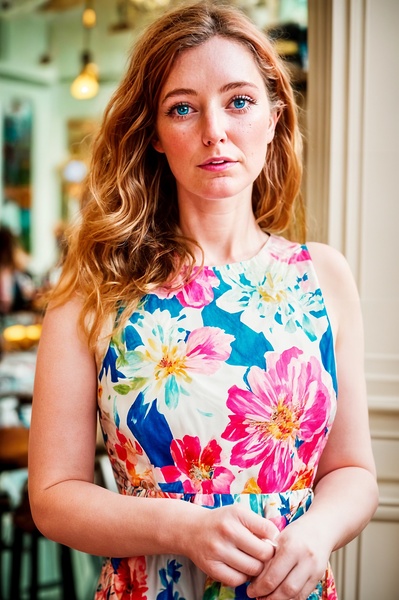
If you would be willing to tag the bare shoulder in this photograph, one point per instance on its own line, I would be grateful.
(331, 266)
(336, 280)
(65, 365)
(61, 328)
(70, 309)
(329, 259)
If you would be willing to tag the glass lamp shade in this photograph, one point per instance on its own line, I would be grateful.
(85, 85)
(89, 18)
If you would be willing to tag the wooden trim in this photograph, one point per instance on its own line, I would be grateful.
(335, 124)
(318, 115)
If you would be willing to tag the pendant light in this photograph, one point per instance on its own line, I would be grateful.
(86, 85)
(89, 16)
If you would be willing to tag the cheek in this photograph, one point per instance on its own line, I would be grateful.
(258, 131)
(176, 147)
(257, 141)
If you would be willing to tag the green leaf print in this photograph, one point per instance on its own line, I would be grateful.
(137, 383)
(122, 388)
(218, 592)
(121, 361)
(134, 384)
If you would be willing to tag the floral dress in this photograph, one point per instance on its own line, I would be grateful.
(221, 392)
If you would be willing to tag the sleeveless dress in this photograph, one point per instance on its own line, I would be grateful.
(221, 392)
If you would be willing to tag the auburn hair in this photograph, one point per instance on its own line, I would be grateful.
(128, 241)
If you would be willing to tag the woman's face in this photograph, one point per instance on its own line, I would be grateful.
(214, 122)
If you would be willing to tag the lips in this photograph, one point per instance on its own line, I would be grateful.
(217, 161)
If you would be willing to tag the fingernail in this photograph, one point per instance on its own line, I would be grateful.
(271, 542)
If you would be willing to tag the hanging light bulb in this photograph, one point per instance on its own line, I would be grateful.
(85, 86)
(89, 16)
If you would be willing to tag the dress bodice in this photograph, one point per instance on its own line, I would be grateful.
(225, 389)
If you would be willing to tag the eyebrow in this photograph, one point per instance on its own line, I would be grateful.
(191, 92)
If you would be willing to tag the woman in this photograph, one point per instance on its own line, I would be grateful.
(212, 346)
(16, 285)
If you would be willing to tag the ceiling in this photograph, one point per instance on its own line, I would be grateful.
(54, 38)
(12, 8)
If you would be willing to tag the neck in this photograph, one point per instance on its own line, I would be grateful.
(225, 237)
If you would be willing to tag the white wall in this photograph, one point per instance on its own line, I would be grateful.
(354, 161)
(352, 187)
(45, 155)
(379, 267)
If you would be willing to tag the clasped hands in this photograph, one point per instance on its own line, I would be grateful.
(235, 545)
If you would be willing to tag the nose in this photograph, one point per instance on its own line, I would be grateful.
(213, 128)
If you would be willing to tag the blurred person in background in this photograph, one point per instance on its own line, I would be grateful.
(17, 289)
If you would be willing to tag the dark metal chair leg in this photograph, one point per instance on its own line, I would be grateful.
(34, 564)
(68, 586)
(23, 525)
(4, 509)
(16, 562)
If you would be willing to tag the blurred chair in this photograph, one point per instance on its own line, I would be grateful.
(25, 535)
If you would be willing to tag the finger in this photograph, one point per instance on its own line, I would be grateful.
(297, 585)
(242, 561)
(261, 550)
(273, 544)
(241, 536)
(260, 526)
(227, 575)
(259, 530)
(273, 575)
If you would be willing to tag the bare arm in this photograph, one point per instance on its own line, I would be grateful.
(346, 494)
(69, 508)
(347, 461)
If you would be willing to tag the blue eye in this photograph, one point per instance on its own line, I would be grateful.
(239, 103)
(182, 110)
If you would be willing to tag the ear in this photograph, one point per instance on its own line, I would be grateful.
(274, 117)
(156, 144)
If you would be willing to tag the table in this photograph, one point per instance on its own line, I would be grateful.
(14, 447)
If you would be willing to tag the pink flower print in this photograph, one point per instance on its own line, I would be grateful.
(163, 365)
(329, 589)
(198, 292)
(300, 256)
(123, 579)
(131, 579)
(204, 352)
(207, 348)
(127, 451)
(199, 470)
(278, 421)
(122, 451)
(279, 522)
(129, 464)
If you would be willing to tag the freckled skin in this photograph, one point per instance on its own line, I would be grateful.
(220, 110)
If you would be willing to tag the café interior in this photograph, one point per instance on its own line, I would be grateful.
(60, 61)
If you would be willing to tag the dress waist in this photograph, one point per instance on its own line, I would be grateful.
(280, 507)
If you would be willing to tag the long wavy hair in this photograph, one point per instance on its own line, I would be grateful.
(128, 240)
